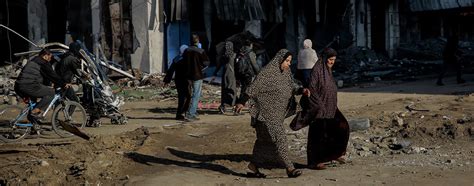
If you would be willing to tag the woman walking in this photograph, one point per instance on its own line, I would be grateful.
(328, 129)
(271, 92)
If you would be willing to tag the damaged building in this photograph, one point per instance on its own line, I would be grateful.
(146, 34)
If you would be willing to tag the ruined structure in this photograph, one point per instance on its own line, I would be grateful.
(146, 34)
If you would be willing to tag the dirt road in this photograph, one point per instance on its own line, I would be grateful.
(215, 150)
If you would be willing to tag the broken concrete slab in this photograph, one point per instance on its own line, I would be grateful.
(359, 124)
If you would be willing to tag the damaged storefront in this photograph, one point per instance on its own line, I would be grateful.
(107, 24)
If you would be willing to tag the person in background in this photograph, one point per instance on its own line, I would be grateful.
(228, 83)
(195, 60)
(451, 57)
(196, 40)
(183, 85)
(307, 57)
(246, 68)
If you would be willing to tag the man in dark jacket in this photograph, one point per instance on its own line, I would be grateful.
(195, 60)
(34, 79)
(246, 68)
(183, 85)
(69, 66)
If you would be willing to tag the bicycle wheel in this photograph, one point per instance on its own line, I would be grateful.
(13, 123)
(71, 113)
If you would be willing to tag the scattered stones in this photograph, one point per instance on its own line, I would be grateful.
(397, 121)
(44, 163)
(359, 124)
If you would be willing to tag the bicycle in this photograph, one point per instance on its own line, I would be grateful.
(65, 113)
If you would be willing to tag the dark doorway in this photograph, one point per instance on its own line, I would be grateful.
(13, 13)
(378, 26)
(56, 20)
(80, 19)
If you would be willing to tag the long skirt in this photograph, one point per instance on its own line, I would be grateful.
(327, 139)
(271, 147)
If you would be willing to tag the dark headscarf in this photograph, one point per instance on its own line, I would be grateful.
(323, 99)
(272, 90)
(74, 49)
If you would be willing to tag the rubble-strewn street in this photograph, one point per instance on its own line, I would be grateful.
(418, 134)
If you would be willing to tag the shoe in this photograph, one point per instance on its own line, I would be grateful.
(294, 173)
(319, 166)
(37, 116)
(340, 160)
(222, 109)
(190, 119)
(256, 175)
(180, 117)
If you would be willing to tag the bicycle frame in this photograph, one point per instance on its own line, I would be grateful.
(23, 113)
(31, 106)
(53, 102)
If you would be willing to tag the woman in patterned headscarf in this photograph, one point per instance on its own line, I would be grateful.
(271, 92)
(328, 129)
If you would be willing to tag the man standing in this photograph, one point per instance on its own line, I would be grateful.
(195, 60)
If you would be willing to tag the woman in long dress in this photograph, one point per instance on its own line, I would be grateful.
(271, 93)
(328, 129)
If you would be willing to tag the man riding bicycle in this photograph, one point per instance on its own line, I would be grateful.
(35, 78)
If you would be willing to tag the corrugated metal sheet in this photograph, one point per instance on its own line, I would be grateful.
(465, 3)
(448, 4)
(430, 5)
(231, 10)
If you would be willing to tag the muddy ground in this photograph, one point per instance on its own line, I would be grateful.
(433, 144)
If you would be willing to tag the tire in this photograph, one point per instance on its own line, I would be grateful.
(9, 132)
(79, 118)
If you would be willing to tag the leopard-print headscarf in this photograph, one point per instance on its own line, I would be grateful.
(271, 90)
(229, 49)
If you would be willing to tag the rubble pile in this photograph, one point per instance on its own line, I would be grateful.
(403, 132)
(7, 85)
(429, 49)
(358, 65)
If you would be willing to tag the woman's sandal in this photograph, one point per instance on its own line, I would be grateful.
(256, 175)
(294, 173)
(341, 160)
(319, 166)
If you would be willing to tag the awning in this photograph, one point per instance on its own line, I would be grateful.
(232, 10)
(431, 5)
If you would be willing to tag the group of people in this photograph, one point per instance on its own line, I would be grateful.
(38, 79)
(238, 68)
(271, 90)
(187, 69)
(43, 74)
